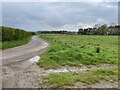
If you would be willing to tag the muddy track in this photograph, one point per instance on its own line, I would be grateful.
(16, 64)
(24, 52)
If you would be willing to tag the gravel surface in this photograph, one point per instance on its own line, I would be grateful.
(17, 70)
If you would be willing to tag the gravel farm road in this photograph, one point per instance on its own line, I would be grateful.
(17, 70)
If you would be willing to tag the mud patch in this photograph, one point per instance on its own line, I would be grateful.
(8, 75)
(21, 75)
(105, 84)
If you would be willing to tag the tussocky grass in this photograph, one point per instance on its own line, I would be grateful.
(77, 50)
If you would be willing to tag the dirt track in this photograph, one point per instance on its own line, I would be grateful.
(24, 52)
(17, 70)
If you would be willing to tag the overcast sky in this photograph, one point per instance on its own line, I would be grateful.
(58, 15)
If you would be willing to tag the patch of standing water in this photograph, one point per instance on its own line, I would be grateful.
(78, 69)
(57, 71)
(34, 59)
(65, 70)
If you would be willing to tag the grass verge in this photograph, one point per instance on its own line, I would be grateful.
(11, 44)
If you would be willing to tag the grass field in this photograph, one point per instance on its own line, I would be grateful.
(78, 50)
(14, 43)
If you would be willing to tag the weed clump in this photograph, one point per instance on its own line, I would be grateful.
(82, 46)
(98, 50)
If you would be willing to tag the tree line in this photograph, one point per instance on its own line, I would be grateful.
(100, 30)
(53, 32)
(56, 32)
(96, 30)
(9, 34)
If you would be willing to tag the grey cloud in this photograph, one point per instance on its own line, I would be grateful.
(43, 16)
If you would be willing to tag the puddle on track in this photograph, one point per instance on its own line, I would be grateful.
(65, 70)
(34, 59)
(78, 69)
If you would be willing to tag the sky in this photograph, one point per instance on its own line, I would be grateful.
(57, 15)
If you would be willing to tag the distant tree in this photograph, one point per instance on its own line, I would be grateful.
(103, 29)
(81, 31)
